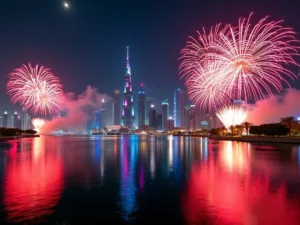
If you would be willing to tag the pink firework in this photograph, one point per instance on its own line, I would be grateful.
(249, 62)
(36, 89)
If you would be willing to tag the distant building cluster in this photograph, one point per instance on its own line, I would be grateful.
(16, 120)
(143, 115)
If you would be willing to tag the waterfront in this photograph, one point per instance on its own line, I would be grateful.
(142, 179)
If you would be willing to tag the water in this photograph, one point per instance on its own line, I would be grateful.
(148, 180)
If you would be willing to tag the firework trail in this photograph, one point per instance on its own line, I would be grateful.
(248, 62)
(36, 89)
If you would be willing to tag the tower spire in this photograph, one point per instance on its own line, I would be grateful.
(128, 70)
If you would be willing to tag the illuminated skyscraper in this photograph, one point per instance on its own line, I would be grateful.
(23, 119)
(5, 119)
(15, 120)
(165, 114)
(148, 108)
(141, 106)
(103, 115)
(116, 108)
(182, 108)
(128, 107)
(152, 117)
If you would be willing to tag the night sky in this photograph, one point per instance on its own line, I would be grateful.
(85, 45)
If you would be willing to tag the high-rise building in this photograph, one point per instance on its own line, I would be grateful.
(159, 121)
(176, 108)
(128, 106)
(165, 114)
(5, 119)
(141, 106)
(182, 109)
(116, 108)
(103, 115)
(148, 107)
(23, 119)
(152, 117)
(170, 124)
(19, 123)
(15, 120)
(11, 121)
(28, 124)
(1, 121)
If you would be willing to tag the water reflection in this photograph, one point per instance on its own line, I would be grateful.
(226, 190)
(148, 179)
(33, 183)
(128, 184)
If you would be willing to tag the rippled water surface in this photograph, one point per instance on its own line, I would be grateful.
(148, 180)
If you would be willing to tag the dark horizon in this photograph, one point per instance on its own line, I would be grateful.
(86, 44)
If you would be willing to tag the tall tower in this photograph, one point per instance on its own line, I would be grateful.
(15, 120)
(182, 108)
(165, 114)
(128, 109)
(141, 106)
(152, 117)
(116, 108)
(5, 119)
(23, 119)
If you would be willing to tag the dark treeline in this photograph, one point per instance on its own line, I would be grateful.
(5, 131)
(272, 129)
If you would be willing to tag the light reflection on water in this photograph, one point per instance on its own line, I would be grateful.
(142, 179)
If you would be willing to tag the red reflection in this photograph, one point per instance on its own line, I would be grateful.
(33, 184)
(226, 192)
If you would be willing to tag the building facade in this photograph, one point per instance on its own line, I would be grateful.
(159, 121)
(116, 108)
(141, 106)
(152, 117)
(5, 119)
(148, 107)
(170, 124)
(182, 109)
(165, 114)
(128, 105)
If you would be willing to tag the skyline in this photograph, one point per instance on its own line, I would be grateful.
(85, 44)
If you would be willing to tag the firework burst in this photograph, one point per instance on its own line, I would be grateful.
(38, 123)
(232, 115)
(36, 89)
(248, 62)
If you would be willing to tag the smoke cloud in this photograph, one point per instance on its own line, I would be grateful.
(272, 109)
(77, 111)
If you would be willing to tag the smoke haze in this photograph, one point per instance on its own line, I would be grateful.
(78, 111)
(272, 109)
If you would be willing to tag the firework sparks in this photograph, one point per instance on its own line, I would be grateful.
(36, 89)
(232, 115)
(38, 123)
(248, 62)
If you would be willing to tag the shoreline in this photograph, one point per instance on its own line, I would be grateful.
(7, 138)
(260, 139)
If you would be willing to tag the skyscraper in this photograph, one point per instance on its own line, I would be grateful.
(103, 115)
(148, 107)
(1, 121)
(28, 124)
(5, 119)
(23, 119)
(182, 108)
(165, 114)
(159, 121)
(170, 124)
(116, 108)
(128, 109)
(141, 106)
(15, 120)
(152, 117)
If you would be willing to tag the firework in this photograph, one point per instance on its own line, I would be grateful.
(36, 89)
(248, 62)
(232, 115)
(38, 123)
